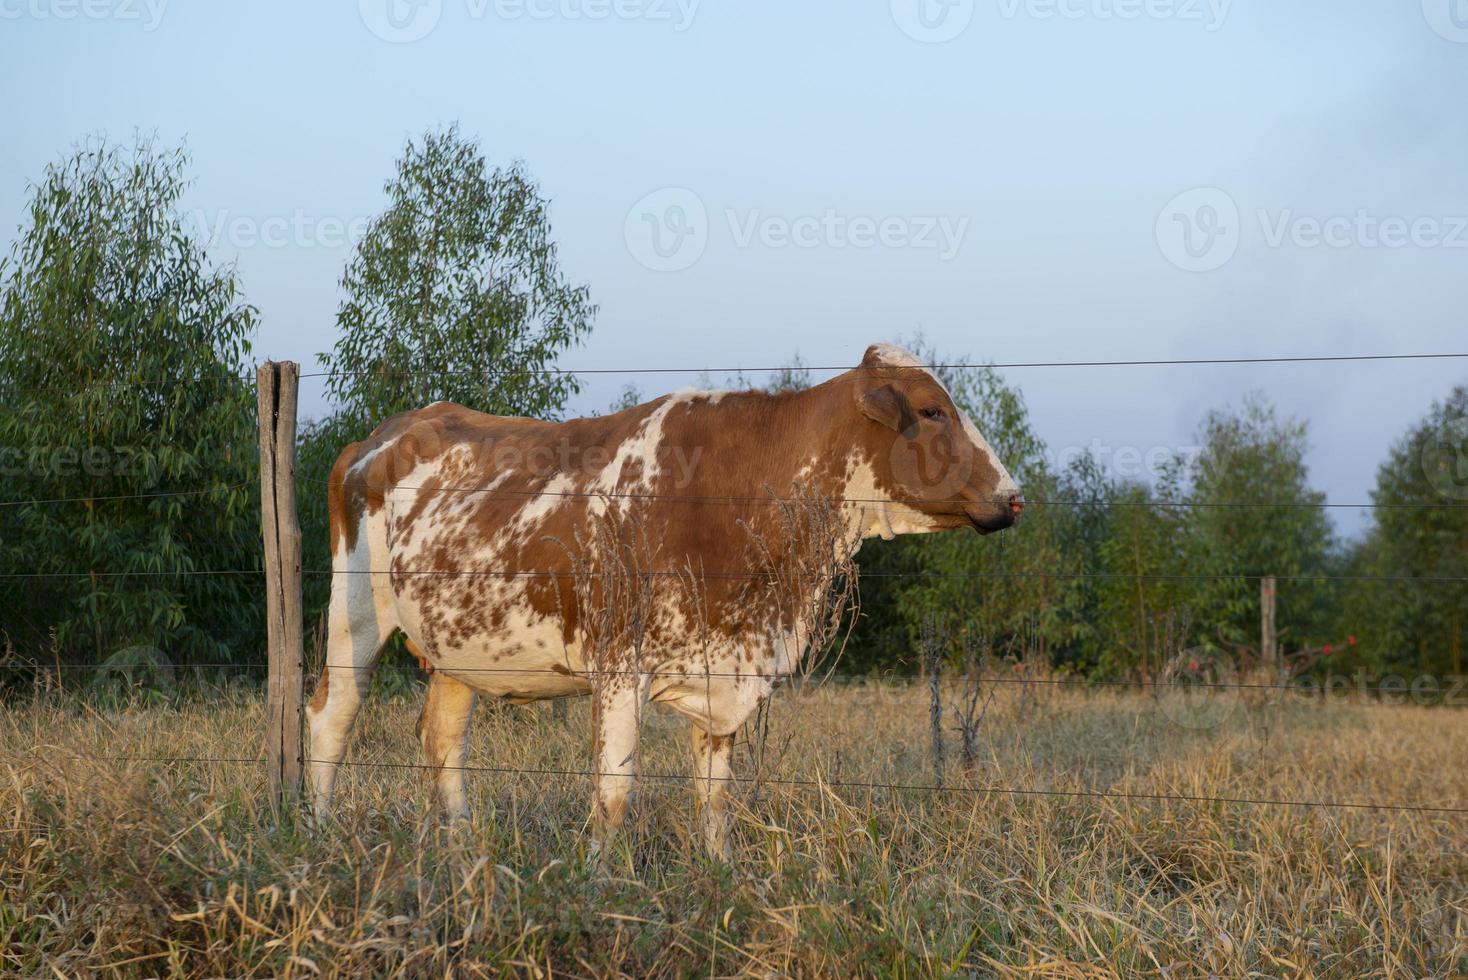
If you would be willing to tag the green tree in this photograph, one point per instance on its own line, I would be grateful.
(455, 292)
(1146, 601)
(123, 353)
(1419, 531)
(1256, 514)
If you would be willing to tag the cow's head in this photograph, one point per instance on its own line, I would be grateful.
(924, 452)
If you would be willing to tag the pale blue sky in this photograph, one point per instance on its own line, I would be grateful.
(1050, 138)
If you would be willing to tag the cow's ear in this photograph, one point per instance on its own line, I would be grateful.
(890, 407)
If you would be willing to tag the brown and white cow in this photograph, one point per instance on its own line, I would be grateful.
(461, 530)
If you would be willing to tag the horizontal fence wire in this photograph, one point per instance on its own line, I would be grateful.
(774, 499)
(940, 366)
(491, 372)
(836, 783)
(511, 573)
(147, 495)
(845, 501)
(1304, 684)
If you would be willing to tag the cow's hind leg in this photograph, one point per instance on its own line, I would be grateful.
(443, 728)
(355, 634)
(616, 720)
(713, 775)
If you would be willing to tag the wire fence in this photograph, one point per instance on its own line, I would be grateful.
(490, 372)
(995, 680)
(822, 783)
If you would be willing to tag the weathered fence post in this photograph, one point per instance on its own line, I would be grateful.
(278, 384)
(1269, 634)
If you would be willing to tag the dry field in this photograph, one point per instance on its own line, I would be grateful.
(172, 869)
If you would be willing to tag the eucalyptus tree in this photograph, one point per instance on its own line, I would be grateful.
(1411, 606)
(455, 292)
(123, 352)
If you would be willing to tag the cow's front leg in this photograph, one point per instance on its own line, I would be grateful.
(713, 775)
(443, 728)
(616, 721)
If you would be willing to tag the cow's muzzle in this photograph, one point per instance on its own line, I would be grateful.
(1004, 513)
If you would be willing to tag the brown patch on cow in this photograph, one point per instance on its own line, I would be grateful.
(318, 698)
(340, 519)
(423, 662)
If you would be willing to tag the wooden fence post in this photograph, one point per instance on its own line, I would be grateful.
(1269, 633)
(281, 529)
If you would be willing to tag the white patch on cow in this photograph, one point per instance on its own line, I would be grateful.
(515, 661)
(552, 496)
(711, 395)
(1006, 487)
(642, 447)
(891, 354)
(874, 513)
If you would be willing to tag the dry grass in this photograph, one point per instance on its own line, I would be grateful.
(178, 869)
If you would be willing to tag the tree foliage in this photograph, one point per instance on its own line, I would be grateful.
(456, 293)
(123, 352)
(1419, 531)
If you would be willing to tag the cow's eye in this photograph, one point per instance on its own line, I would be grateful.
(934, 414)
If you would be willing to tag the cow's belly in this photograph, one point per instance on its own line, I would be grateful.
(525, 658)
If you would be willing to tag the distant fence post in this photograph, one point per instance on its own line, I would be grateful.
(278, 385)
(1269, 633)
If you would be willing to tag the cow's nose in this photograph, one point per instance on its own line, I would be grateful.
(1017, 505)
